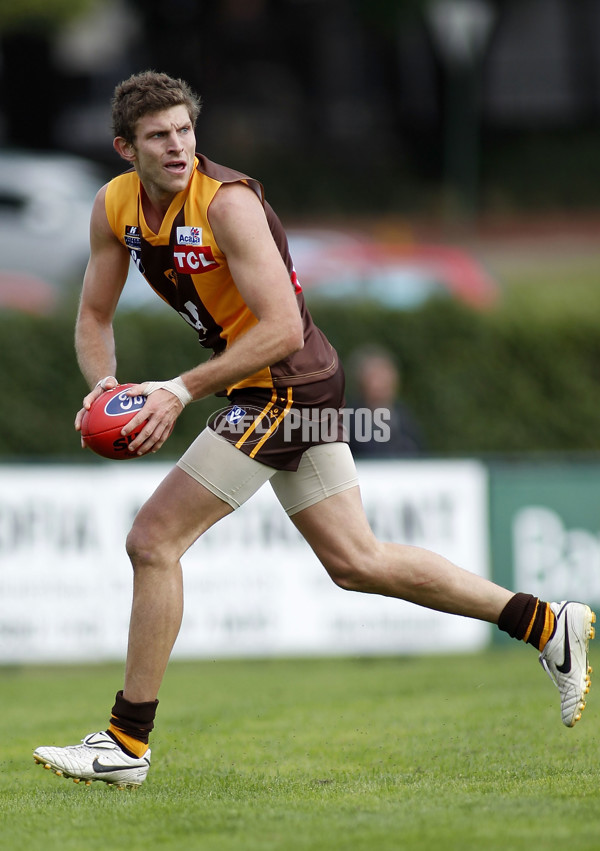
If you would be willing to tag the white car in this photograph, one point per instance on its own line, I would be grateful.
(45, 205)
(46, 200)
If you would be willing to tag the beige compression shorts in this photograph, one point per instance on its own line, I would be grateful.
(324, 470)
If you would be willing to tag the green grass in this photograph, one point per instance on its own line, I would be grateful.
(457, 752)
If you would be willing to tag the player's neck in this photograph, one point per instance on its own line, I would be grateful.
(155, 206)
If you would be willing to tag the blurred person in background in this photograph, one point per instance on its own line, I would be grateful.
(209, 244)
(379, 384)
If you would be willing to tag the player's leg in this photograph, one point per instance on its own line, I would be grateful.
(210, 481)
(179, 511)
(339, 533)
(169, 522)
(325, 504)
(323, 500)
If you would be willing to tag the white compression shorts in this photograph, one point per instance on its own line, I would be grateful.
(324, 470)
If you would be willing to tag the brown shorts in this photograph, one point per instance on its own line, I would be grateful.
(276, 426)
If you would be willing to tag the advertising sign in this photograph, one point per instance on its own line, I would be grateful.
(545, 529)
(253, 587)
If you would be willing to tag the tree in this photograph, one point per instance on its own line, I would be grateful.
(30, 84)
(36, 14)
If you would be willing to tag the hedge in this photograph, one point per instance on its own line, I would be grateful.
(493, 382)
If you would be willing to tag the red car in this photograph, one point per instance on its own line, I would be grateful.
(335, 265)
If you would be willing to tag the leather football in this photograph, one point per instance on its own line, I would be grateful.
(101, 425)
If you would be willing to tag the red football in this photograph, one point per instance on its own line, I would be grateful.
(101, 425)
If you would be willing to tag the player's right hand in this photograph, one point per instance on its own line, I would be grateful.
(101, 387)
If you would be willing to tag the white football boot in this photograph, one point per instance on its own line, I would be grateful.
(565, 659)
(98, 757)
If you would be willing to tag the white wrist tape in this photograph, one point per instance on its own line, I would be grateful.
(174, 386)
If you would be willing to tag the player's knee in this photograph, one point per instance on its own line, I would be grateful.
(349, 574)
(136, 548)
(143, 547)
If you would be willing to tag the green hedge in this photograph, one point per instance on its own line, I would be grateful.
(478, 383)
(490, 383)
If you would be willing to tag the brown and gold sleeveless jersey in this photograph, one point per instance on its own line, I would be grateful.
(184, 265)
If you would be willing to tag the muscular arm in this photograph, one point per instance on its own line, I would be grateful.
(104, 279)
(242, 233)
(240, 227)
(102, 284)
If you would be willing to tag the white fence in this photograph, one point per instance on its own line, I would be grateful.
(253, 586)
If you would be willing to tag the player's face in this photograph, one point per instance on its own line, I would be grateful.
(165, 145)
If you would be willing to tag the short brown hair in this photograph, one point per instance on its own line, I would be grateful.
(148, 92)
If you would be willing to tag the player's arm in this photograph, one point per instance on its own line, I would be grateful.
(102, 285)
(240, 227)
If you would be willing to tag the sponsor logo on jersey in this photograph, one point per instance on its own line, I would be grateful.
(192, 260)
(235, 415)
(132, 237)
(188, 236)
(250, 425)
(123, 404)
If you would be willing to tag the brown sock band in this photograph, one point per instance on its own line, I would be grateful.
(134, 719)
(528, 619)
(517, 616)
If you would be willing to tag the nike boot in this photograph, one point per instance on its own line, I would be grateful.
(98, 757)
(565, 660)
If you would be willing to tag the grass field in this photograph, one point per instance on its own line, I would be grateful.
(454, 752)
